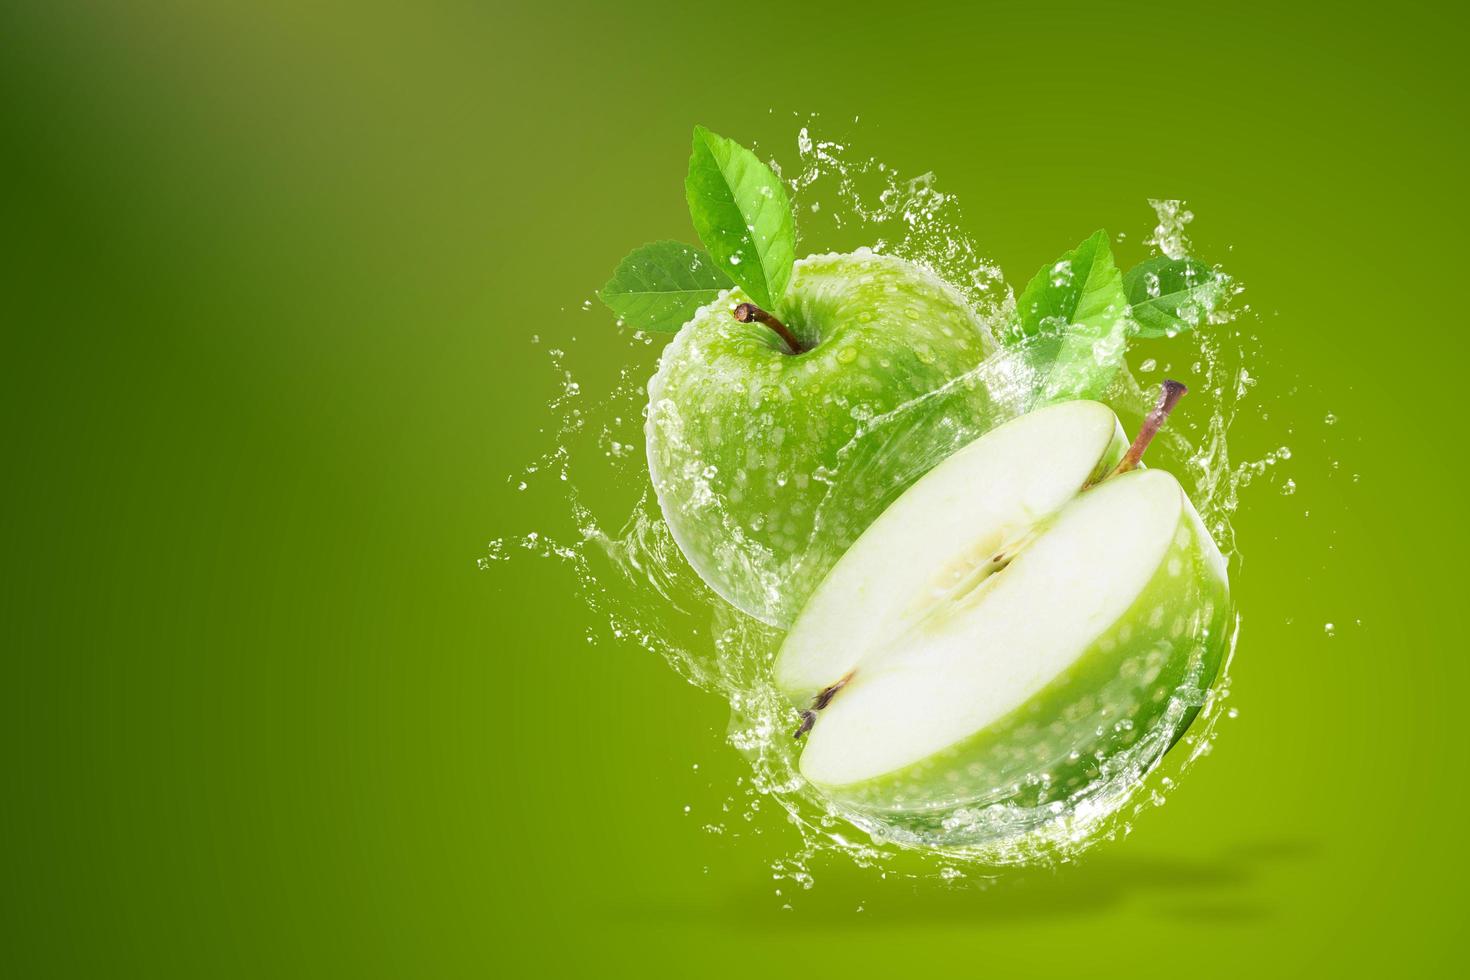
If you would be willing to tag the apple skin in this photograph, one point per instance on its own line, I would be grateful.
(1121, 689)
(744, 437)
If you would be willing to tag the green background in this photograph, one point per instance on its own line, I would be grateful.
(268, 279)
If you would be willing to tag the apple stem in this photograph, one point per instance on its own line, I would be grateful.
(746, 312)
(823, 698)
(1168, 397)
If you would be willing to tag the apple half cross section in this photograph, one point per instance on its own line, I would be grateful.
(1027, 610)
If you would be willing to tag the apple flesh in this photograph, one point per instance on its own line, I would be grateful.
(763, 459)
(1011, 622)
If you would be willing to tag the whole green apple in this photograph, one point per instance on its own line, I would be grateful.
(761, 437)
(1027, 612)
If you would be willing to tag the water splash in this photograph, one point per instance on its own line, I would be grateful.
(1169, 236)
(640, 590)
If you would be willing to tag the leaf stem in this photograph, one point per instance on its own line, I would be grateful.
(746, 312)
(1169, 396)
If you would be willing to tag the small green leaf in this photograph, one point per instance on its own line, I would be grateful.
(1169, 296)
(1073, 317)
(742, 214)
(660, 285)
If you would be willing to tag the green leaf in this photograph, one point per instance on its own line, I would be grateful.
(1169, 296)
(659, 286)
(743, 216)
(1073, 319)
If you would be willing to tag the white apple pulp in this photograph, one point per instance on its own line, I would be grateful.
(1008, 624)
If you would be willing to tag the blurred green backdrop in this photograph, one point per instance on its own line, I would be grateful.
(269, 274)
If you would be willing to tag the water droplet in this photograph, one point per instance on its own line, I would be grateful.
(1169, 233)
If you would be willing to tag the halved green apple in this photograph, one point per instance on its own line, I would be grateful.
(1028, 609)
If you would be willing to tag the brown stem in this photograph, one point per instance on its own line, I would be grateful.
(1168, 398)
(747, 312)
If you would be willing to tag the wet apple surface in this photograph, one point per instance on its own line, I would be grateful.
(745, 436)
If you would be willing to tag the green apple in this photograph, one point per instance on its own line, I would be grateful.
(1028, 610)
(760, 437)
